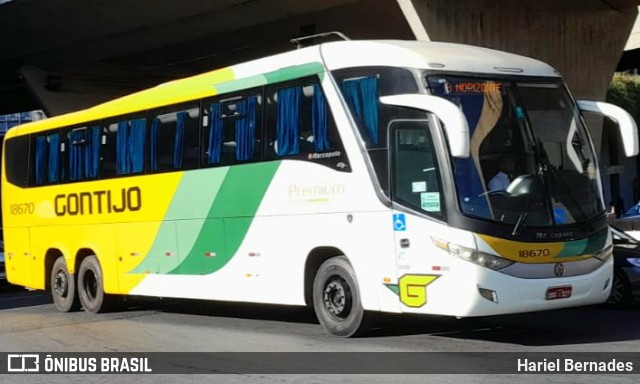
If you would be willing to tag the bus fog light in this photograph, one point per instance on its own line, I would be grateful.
(488, 294)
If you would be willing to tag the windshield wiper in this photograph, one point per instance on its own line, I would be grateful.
(545, 167)
(543, 164)
(525, 210)
(588, 223)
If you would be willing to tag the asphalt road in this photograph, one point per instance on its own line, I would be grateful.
(30, 323)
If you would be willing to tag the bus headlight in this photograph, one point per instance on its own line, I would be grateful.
(605, 254)
(483, 259)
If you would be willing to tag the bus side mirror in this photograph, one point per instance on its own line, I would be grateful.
(626, 123)
(454, 121)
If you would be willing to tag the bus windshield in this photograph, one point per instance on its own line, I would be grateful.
(531, 162)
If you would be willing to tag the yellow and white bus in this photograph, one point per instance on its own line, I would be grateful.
(352, 176)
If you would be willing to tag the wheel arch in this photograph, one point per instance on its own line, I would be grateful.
(316, 257)
(82, 254)
(50, 258)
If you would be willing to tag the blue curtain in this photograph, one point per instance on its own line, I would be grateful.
(41, 152)
(77, 141)
(179, 144)
(136, 145)
(54, 141)
(84, 154)
(130, 146)
(351, 92)
(246, 129)
(369, 88)
(362, 97)
(153, 150)
(288, 121)
(319, 120)
(122, 136)
(92, 151)
(215, 134)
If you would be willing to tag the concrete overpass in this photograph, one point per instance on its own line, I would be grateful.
(61, 55)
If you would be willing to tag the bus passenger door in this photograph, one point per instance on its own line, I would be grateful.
(419, 208)
(18, 256)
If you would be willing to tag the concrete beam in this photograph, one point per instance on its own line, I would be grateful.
(58, 95)
(107, 65)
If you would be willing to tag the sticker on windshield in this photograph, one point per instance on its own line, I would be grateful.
(430, 201)
(419, 186)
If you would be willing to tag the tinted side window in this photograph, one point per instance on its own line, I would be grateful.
(231, 130)
(123, 147)
(45, 158)
(361, 88)
(416, 174)
(174, 139)
(80, 153)
(16, 160)
(300, 125)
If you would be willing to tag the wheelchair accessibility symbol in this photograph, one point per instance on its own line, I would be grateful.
(399, 222)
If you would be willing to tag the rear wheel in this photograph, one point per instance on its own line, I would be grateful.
(91, 287)
(336, 299)
(63, 287)
(620, 290)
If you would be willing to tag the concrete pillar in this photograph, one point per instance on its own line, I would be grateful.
(583, 39)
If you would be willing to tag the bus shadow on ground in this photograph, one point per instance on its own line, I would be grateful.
(583, 325)
(12, 296)
(227, 310)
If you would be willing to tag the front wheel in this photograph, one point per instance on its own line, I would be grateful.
(620, 290)
(91, 287)
(63, 287)
(336, 299)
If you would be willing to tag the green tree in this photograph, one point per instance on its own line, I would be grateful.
(624, 91)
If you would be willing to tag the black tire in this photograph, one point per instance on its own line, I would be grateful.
(620, 290)
(63, 287)
(91, 287)
(336, 299)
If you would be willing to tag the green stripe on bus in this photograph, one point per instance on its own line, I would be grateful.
(230, 217)
(294, 72)
(573, 248)
(197, 189)
(284, 74)
(240, 84)
(589, 246)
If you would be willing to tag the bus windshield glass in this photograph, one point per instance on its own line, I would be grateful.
(531, 162)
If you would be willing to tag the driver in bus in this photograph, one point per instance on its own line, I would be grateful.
(501, 180)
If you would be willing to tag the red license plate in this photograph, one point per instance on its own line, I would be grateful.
(554, 293)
